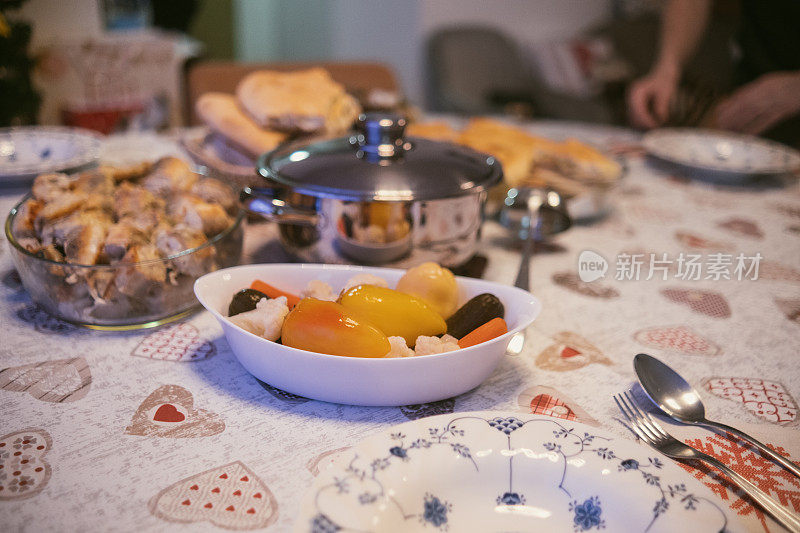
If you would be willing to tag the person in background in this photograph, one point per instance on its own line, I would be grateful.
(766, 100)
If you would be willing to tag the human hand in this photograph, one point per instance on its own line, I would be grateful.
(761, 104)
(649, 99)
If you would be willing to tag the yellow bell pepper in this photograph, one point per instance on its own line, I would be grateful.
(327, 327)
(394, 313)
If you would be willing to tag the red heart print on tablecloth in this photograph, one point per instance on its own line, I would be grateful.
(570, 351)
(62, 380)
(693, 241)
(651, 214)
(790, 307)
(541, 400)
(742, 226)
(766, 399)
(708, 303)
(788, 210)
(180, 343)
(680, 339)
(768, 476)
(596, 289)
(616, 225)
(230, 496)
(777, 272)
(43, 321)
(169, 412)
(23, 470)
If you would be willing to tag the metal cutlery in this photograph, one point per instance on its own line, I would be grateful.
(679, 400)
(651, 432)
(547, 215)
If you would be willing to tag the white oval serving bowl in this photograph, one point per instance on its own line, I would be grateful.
(354, 380)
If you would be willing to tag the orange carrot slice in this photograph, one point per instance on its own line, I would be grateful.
(494, 328)
(272, 292)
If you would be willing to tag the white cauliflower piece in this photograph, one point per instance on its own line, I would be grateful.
(365, 279)
(372, 234)
(399, 348)
(319, 290)
(266, 320)
(433, 345)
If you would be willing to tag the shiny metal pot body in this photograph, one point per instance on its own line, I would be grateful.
(403, 233)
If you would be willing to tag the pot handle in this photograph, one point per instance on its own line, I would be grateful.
(263, 203)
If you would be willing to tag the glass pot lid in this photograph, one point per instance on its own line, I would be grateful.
(377, 163)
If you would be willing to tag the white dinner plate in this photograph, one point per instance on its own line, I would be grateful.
(356, 380)
(507, 471)
(28, 151)
(719, 151)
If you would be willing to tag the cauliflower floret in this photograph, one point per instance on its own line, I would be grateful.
(372, 234)
(319, 290)
(365, 279)
(266, 320)
(399, 348)
(432, 345)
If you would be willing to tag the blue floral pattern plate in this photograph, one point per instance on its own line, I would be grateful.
(28, 151)
(506, 471)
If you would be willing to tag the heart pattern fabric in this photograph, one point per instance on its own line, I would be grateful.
(789, 210)
(777, 272)
(230, 496)
(63, 380)
(421, 410)
(43, 321)
(706, 303)
(680, 339)
(541, 400)
(743, 227)
(324, 460)
(696, 242)
(23, 471)
(169, 412)
(615, 224)
(569, 351)
(595, 289)
(790, 307)
(767, 475)
(282, 395)
(766, 399)
(180, 343)
(651, 214)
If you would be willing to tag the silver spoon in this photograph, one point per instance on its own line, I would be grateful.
(681, 401)
(547, 215)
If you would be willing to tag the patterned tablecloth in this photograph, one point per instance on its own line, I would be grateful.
(110, 431)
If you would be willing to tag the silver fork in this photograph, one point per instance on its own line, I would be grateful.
(651, 432)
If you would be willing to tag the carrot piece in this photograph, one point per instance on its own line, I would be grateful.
(494, 328)
(272, 292)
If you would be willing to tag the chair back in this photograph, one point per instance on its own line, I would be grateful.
(470, 68)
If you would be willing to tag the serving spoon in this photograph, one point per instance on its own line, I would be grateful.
(673, 394)
(547, 215)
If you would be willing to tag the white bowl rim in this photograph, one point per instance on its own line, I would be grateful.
(533, 302)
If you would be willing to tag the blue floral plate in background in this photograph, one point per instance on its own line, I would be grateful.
(26, 152)
(507, 471)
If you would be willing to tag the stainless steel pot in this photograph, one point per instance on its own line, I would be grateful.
(376, 197)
